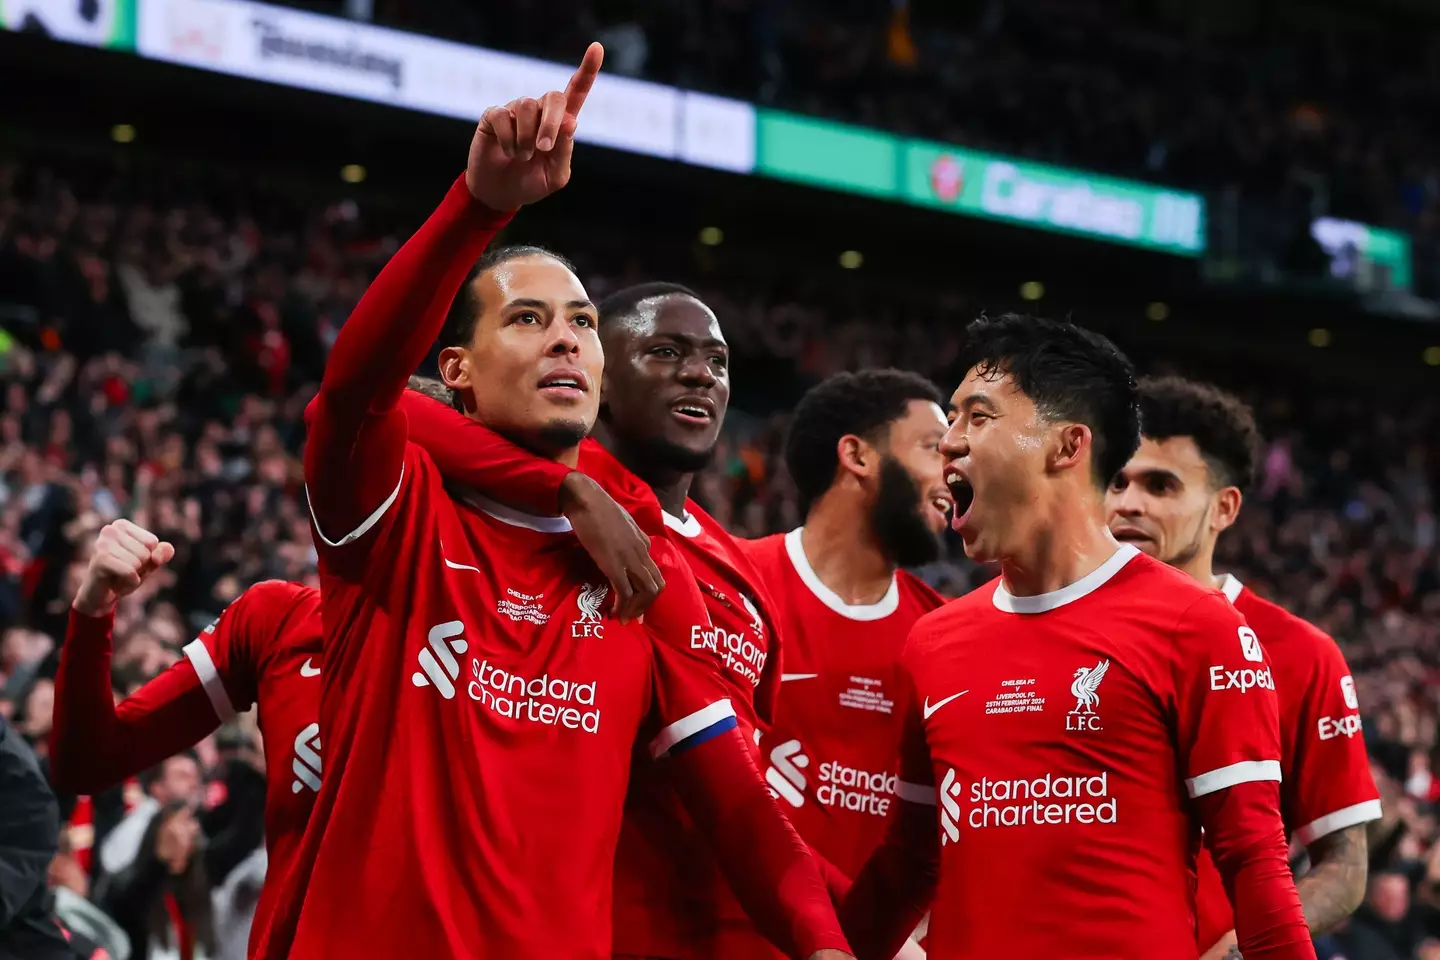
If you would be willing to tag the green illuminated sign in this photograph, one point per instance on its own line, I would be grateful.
(977, 184)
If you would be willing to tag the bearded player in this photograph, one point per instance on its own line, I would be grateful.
(1178, 493)
(493, 799)
(863, 452)
(1064, 738)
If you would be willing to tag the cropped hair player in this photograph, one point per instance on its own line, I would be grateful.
(1048, 411)
(1069, 729)
(1180, 491)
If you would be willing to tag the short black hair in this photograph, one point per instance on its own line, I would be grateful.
(1220, 423)
(1069, 373)
(863, 404)
(465, 309)
(623, 302)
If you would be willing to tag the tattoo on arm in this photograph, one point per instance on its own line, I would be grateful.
(1233, 953)
(1335, 883)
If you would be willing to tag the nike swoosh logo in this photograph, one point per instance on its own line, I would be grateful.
(786, 677)
(940, 703)
(308, 671)
(459, 566)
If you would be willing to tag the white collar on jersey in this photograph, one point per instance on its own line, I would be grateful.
(1045, 602)
(1231, 587)
(516, 518)
(687, 526)
(879, 610)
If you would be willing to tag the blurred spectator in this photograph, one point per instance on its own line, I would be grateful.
(29, 839)
(162, 897)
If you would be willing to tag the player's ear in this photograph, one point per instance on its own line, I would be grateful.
(1226, 509)
(455, 371)
(856, 457)
(1072, 445)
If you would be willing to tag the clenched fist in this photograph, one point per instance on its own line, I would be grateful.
(124, 555)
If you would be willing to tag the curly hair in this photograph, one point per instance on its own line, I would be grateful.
(863, 404)
(1221, 425)
(1069, 373)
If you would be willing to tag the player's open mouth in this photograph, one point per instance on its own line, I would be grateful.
(1129, 534)
(565, 384)
(964, 495)
(941, 503)
(694, 411)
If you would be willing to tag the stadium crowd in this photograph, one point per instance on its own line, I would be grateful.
(1296, 108)
(157, 359)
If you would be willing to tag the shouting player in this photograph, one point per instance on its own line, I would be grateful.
(264, 648)
(863, 451)
(1082, 717)
(491, 799)
(1174, 498)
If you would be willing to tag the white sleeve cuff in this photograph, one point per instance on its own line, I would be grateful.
(915, 792)
(1246, 771)
(199, 656)
(365, 524)
(1338, 820)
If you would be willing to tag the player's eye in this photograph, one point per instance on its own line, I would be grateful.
(584, 320)
(526, 318)
(665, 353)
(719, 361)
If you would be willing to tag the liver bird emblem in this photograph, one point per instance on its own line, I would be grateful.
(1083, 689)
(589, 601)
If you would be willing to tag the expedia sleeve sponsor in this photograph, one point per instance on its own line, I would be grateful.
(1243, 680)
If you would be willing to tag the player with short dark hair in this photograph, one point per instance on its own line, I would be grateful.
(492, 798)
(664, 399)
(1076, 722)
(1180, 491)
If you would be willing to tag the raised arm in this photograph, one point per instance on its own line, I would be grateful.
(94, 744)
(354, 456)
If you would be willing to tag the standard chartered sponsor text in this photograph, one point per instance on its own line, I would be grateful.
(547, 700)
(851, 788)
(1041, 801)
(736, 650)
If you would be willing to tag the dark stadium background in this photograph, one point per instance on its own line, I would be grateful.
(1343, 529)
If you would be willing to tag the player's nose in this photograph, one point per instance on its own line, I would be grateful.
(563, 340)
(697, 371)
(955, 443)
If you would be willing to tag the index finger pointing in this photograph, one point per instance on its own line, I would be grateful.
(579, 86)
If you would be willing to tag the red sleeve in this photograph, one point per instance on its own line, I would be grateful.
(466, 451)
(1228, 726)
(1328, 785)
(772, 873)
(1244, 832)
(690, 697)
(1227, 714)
(894, 888)
(94, 744)
(228, 656)
(354, 454)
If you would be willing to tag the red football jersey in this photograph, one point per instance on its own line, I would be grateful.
(265, 649)
(1062, 735)
(670, 898)
(480, 707)
(1327, 784)
(830, 756)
